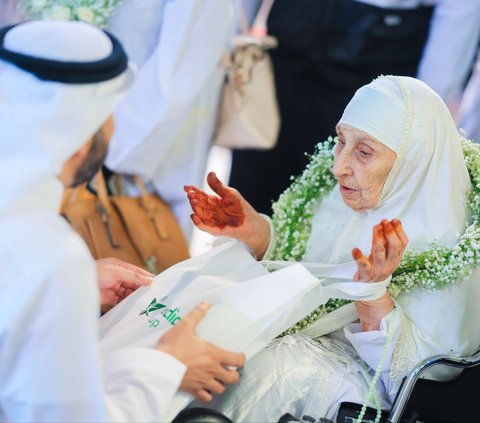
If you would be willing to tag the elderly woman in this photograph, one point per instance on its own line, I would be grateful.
(398, 157)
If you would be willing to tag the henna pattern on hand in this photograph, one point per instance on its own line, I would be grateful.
(218, 212)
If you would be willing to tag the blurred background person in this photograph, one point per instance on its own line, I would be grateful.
(328, 49)
(165, 125)
(468, 116)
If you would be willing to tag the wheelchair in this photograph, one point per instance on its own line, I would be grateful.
(418, 400)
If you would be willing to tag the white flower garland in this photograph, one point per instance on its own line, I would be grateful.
(434, 268)
(96, 12)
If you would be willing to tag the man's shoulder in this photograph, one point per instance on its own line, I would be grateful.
(42, 261)
(42, 240)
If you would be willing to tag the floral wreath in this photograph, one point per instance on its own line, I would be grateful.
(96, 12)
(434, 268)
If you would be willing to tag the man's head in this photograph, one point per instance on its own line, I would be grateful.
(59, 83)
(84, 164)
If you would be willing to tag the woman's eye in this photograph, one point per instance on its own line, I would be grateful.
(365, 154)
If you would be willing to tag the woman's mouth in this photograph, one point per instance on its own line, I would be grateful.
(346, 190)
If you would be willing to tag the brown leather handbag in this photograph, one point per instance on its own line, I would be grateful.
(139, 230)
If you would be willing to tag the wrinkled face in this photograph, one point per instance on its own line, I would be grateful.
(361, 166)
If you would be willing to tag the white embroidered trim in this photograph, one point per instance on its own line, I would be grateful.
(405, 354)
(406, 136)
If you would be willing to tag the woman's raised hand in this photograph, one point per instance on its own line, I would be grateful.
(388, 245)
(228, 214)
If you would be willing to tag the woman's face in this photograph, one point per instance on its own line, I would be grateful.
(361, 166)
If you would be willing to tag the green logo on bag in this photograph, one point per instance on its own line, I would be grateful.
(170, 315)
(153, 306)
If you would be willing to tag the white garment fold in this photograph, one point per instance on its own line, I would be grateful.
(164, 126)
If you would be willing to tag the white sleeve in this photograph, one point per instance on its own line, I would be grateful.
(372, 346)
(273, 239)
(51, 365)
(451, 46)
(445, 321)
(140, 384)
(191, 39)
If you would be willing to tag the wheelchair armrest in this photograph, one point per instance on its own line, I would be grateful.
(409, 381)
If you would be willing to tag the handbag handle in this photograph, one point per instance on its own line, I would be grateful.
(152, 211)
(146, 203)
(105, 207)
(259, 25)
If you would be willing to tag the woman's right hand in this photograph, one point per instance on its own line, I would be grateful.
(229, 214)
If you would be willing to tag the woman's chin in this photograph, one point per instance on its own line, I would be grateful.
(354, 203)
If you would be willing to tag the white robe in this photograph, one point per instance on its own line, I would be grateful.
(50, 366)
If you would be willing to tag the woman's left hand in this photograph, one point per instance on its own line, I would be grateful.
(388, 245)
(118, 279)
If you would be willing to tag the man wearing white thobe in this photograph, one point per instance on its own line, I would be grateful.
(59, 82)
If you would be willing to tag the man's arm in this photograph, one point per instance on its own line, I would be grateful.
(451, 46)
(54, 371)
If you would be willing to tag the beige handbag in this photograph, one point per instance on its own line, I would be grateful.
(139, 230)
(248, 115)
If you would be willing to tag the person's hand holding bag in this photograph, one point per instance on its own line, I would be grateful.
(117, 279)
(207, 365)
(228, 214)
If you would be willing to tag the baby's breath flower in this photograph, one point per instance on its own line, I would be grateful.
(97, 12)
(58, 13)
(85, 14)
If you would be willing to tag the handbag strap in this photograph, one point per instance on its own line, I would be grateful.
(149, 205)
(146, 202)
(102, 192)
(259, 26)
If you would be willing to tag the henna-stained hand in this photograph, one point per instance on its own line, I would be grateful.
(388, 245)
(228, 214)
(216, 212)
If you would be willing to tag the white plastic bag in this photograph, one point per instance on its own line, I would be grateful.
(250, 306)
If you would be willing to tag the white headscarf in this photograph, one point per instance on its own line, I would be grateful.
(42, 123)
(427, 186)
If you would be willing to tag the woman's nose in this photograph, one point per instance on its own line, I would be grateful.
(342, 164)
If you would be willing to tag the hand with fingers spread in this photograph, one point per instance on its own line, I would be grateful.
(118, 279)
(208, 367)
(228, 214)
(388, 245)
